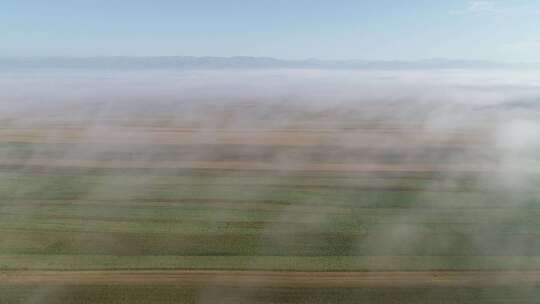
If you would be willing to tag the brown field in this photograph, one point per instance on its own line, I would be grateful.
(277, 279)
(247, 165)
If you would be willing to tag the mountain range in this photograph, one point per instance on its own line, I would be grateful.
(244, 62)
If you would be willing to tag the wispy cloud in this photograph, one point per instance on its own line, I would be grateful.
(491, 7)
(478, 7)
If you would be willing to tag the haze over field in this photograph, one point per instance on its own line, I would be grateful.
(274, 169)
(159, 89)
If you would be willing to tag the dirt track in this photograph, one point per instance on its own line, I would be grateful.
(245, 165)
(369, 137)
(279, 279)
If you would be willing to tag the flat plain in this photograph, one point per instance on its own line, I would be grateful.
(161, 211)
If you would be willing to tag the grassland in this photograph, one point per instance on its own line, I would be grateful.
(266, 200)
(171, 293)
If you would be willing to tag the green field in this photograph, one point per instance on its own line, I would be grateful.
(76, 218)
(167, 294)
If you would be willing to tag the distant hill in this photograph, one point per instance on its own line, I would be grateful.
(246, 63)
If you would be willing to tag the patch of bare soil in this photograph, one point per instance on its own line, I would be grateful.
(246, 165)
(279, 278)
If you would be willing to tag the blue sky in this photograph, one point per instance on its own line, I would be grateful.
(505, 30)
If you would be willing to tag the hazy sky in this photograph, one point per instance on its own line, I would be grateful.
(504, 30)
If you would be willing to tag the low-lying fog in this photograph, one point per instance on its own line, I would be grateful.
(106, 91)
(476, 130)
(501, 107)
